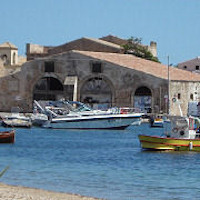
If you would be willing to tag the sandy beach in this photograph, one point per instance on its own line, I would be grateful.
(9, 192)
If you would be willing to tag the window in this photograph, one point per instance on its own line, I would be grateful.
(49, 66)
(97, 67)
(179, 96)
(185, 67)
(197, 67)
(14, 58)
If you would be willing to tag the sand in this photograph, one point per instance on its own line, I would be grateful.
(8, 192)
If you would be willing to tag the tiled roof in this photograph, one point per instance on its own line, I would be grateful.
(104, 43)
(190, 61)
(8, 45)
(114, 39)
(142, 65)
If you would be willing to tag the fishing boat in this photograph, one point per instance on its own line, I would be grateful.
(183, 136)
(7, 136)
(62, 115)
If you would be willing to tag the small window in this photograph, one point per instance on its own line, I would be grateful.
(179, 96)
(14, 58)
(197, 67)
(49, 66)
(191, 96)
(185, 67)
(96, 67)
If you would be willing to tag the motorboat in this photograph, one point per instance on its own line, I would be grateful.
(7, 136)
(111, 121)
(182, 136)
(66, 116)
(17, 123)
(16, 119)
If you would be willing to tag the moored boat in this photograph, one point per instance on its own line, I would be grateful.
(183, 136)
(111, 121)
(17, 123)
(63, 115)
(7, 136)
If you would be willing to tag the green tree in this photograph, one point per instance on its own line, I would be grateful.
(134, 46)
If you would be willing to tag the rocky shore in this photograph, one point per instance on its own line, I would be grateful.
(8, 192)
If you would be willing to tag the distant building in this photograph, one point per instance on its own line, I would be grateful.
(9, 55)
(192, 65)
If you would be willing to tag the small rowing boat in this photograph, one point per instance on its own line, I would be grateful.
(7, 136)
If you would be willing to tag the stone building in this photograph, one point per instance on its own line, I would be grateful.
(9, 53)
(103, 78)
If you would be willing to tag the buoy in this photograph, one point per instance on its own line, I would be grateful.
(190, 146)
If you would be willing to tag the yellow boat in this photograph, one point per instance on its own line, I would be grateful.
(164, 143)
(182, 137)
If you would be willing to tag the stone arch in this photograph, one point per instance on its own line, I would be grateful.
(48, 88)
(97, 91)
(143, 99)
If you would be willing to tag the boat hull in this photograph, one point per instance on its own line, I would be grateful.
(93, 122)
(16, 123)
(163, 143)
(7, 137)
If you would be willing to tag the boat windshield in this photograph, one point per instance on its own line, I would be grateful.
(79, 107)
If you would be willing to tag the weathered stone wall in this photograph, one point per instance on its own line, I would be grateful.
(184, 90)
(122, 81)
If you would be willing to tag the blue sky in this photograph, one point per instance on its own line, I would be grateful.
(173, 24)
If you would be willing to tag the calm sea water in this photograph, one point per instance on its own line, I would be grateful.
(104, 164)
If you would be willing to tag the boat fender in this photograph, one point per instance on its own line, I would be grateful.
(123, 111)
(190, 146)
(175, 130)
(182, 132)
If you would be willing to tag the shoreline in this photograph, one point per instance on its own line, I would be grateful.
(11, 192)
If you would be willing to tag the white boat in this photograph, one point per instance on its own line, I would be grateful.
(16, 119)
(107, 121)
(38, 119)
(83, 117)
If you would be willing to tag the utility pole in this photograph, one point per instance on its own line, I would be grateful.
(168, 85)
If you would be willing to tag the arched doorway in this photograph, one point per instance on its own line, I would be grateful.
(97, 93)
(142, 99)
(48, 88)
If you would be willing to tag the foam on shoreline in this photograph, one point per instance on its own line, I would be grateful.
(9, 192)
